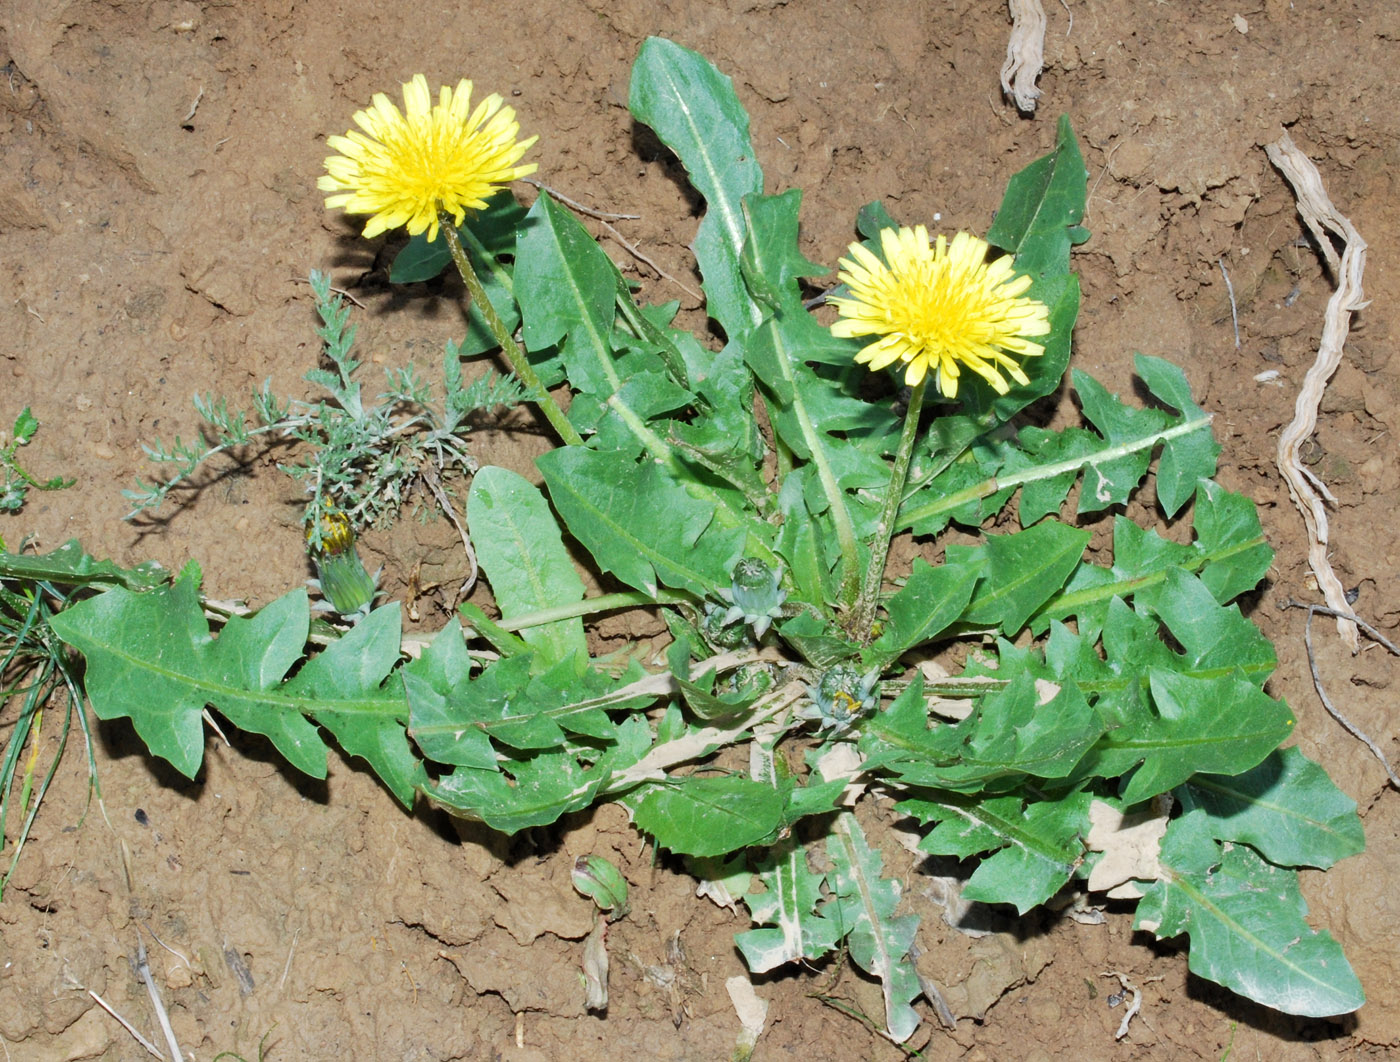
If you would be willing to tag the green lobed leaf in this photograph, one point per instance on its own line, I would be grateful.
(70, 565)
(347, 688)
(255, 654)
(1024, 728)
(1223, 725)
(1245, 921)
(1037, 844)
(566, 286)
(535, 789)
(815, 411)
(692, 107)
(520, 550)
(968, 479)
(1112, 480)
(1235, 555)
(1229, 554)
(790, 926)
(771, 263)
(878, 939)
(1185, 458)
(1021, 571)
(710, 815)
(928, 603)
(152, 658)
(1215, 639)
(1040, 213)
(725, 439)
(434, 685)
(610, 503)
(145, 662)
(521, 711)
(1286, 808)
(1132, 643)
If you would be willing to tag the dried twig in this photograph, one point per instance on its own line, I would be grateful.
(1025, 54)
(430, 477)
(126, 1025)
(929, 988)
(1332, 710)
(574, 204)
(338, 291)
(602, 218)
(288, 967)
(1234, 313)
(143, 968)
(1308, 492)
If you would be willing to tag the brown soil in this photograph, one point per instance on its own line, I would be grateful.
(157, 220)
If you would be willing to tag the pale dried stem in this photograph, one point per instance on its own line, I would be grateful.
(1025, 54)
(150, 1047)
(1309, 494)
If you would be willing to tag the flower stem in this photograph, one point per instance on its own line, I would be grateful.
(509, 347)
(863, 615)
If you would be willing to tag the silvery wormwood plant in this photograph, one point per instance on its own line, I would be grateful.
(800, 672)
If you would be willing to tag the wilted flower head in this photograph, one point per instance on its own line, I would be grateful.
(347, 587)
(841, 696)
(939, 309)
(405, 167)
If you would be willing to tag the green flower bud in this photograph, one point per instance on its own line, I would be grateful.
(755, 595)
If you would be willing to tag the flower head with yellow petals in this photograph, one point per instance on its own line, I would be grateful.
(939, 309)
(407, 166)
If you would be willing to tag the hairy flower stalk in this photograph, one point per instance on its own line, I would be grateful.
(424, 168)
(936, 309)
(509, 347)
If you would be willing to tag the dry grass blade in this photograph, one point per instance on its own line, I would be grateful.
(1025, 54)
(1309, 493)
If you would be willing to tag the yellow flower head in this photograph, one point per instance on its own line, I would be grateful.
(939, 308)
(405, 167)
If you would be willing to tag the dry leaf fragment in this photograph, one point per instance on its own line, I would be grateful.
(595, 966)
(752, 1011)
(1130, 844)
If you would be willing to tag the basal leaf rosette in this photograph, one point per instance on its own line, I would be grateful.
(939, 308)
(407, 166)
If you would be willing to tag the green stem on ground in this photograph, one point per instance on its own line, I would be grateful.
(863, 616)
(593, 606)
(519, 363)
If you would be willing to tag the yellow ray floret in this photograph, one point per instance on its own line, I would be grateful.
(406, 167)
(939, 308)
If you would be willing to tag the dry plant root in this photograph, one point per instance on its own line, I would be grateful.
(1309, 493)
(1025, 54)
